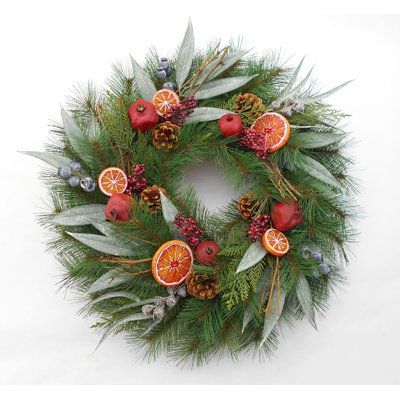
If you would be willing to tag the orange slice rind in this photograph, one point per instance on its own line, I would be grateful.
(275, 242)
(172, 263)
(113, 180)
(276, 129)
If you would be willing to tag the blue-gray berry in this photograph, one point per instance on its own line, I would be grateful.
(316, 274)
(75, 166)
(276, 104)
(299, 107)
(287, 111)
(324, 268)
(88, 184)
(158, 313)
(161, 73)
(164, 64)
(73, 181)
(64, 172)
(306, 252)
(170, 86)
(318, 257)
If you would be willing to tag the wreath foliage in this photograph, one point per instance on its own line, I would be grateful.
(236, 303)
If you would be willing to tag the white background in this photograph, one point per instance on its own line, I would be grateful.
(48, 46)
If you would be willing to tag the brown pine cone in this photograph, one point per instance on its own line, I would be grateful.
(151, 198)
(202, 286)
(165, 136)
(250, 107)
(247, 206)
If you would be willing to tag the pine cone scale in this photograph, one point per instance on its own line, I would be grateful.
(202, 286)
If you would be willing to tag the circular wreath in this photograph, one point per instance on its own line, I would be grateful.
(147, 257)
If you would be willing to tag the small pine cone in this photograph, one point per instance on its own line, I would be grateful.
(151, 198)
(247, 205)
(250, 107)
(202, 286)
(165, 136)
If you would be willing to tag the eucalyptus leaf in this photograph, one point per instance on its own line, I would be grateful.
(93, 128)
(105, 244)
(113, 295)
(305, 299)
(104, 227)
(107, 281)
(169, 212)
(274, 315)
(247, 317)
(317, 170)
(290, 84)
(254, 254)
(300, 85)
(319, 97)
(203, 114)
(135, 304)
(145, 85)
(80, 215)
(185, 55)
(221, 86)
(228, 61)
(74, 134)
(314, 140)
(53, 159)
(118, 324)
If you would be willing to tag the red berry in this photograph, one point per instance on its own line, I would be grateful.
(206, 252)
(230, 125)
(119, 207)
(143, 115)
(286, 216)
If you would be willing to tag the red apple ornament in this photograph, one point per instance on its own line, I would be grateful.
(286, 216)
(206, 252)
(230, 125)
(119, 207)
(143, 115)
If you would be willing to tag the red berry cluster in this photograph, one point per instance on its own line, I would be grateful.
(258, 227)
(178, 114)
(136, 182)
(189, 229)
(255, 141)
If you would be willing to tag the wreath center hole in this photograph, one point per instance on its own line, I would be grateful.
(210, 184)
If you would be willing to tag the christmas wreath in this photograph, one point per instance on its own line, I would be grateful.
(146, 256)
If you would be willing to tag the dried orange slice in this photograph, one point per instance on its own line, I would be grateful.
(164, 100)
(113, 180)
(172, 263)
(275, 242)
(276, 129)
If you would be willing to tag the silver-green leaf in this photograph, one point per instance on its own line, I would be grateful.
(319, 97)
(80, 215)
(290, 84)
(107, 281)
(222, 86)
(228, 61)
(53, 159)
(247, 317)
(254, 254)
(305, 299)
(113, 295)
(74, 134)
(185, 55)
(203, 114)
(274, 315)
(145, 85)
(105, 244)
(169, 213)
(118, 324)
(317, 170)
(314, 140)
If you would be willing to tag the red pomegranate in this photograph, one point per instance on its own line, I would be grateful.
(230, 125)
(119, 207)
(143, 115)
(286, 216)
(206, 252)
